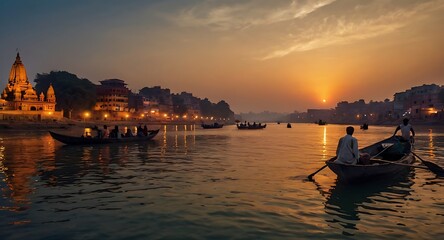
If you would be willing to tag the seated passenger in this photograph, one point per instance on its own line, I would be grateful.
(105, 131)
(129, 133)
(347, 151)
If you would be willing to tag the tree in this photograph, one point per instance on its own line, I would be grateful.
(72, 93)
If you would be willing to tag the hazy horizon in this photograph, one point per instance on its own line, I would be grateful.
(280, 56)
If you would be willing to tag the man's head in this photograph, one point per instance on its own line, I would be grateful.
(405, 121)
(350, 130)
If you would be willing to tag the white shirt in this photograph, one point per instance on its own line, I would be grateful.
(405, 131)
(347, 151)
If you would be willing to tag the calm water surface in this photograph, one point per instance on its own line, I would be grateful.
(191, 183)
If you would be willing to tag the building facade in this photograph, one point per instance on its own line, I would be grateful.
(420, 102)
(20, 101)
(112, 99)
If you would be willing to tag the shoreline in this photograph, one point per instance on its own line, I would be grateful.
(67, 124)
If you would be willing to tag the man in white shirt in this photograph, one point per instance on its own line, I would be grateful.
(347, 151)
(405, 128)
(406, 139)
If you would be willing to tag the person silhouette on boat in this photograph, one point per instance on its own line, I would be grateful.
(145, 130)
(129, 133)
(140, 131)
(115, 132)
(99, 133)
(406, 128)
(347, 151)
(105, 131)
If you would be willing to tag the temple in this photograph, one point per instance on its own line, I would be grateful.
(20, 101)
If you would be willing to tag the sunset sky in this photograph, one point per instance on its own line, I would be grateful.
(257, 55)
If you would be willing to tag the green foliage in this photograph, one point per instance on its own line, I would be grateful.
(221, 109)
(72, 93)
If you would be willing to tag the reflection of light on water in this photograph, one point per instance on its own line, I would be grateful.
(324, 143)
(2, 156)
(176, 144)
(185, 133)
(164, 141)
(431, 145)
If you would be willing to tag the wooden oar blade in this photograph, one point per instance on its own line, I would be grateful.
(431, 166)
(434, 168)
(310, 177)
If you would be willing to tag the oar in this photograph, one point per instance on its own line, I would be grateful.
(385, 148)
(398, 163)
(310, 177)
(431, 166)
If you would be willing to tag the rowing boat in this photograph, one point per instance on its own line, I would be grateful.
(391, 150)
(211, 126)
(251, 127)
(71, 140)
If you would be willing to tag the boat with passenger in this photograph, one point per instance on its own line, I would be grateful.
(88, 140)
(388, 157)
(321, 122)
(364, 126)
(248, 126)
(211, 126)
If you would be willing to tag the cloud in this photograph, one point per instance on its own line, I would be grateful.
(247, 13)
(366, 22)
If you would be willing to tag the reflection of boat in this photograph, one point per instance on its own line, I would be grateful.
(390, 149)
(347, 204)
(210, 126)
(71, 140)
(250, 126)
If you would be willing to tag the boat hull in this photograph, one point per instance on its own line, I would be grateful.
(211, 126)
(251, 127)
(358, 172)
(71, 140)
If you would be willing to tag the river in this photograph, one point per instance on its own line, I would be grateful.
(191, 183)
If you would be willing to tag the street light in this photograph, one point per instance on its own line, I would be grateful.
(86, 116)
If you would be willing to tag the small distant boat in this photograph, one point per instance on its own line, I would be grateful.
(71, 140)
(355, 173)
(364, 126)
(250, 126)
(320, 122)
(288, 125)
(211, 126)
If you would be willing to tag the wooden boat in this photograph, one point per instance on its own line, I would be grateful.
(390, 149)
(320, 122)
(251, 127)
(71, 140)
(211, 126)
(364, 126)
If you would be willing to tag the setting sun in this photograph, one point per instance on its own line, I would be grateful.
(324, 101)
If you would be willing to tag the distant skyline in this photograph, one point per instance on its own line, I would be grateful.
(258, 55)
